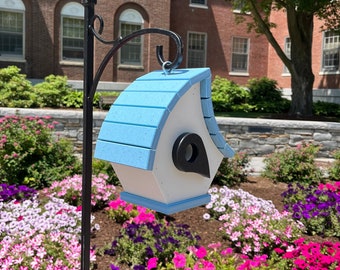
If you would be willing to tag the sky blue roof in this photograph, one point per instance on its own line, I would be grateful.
(132, 127)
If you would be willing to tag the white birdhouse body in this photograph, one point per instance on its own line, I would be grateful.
(162, 140)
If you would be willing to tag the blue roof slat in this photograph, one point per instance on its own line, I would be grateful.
(207, 107)
(193, 75)
(218, 140)
(206, 88)
(155, 86)
(141, 136)
(212, 125)
(138, 157)
(148, 99)
(227, 151)
(146, 116)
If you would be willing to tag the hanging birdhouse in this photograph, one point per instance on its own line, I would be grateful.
(162, 140)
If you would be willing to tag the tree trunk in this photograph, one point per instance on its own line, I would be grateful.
(302, 94)
(300, 27)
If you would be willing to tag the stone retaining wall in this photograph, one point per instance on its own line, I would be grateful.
(257, 137)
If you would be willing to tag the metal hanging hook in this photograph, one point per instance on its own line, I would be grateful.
(118, 43)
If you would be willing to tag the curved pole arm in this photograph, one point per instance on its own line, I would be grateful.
(118, 43)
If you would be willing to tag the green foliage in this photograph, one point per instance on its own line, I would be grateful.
(293, 165)
(15, 89)
(104, 167)
(228, 96)
(74, 99)
(265, 96)
(322, 108)
(334, 170)
(52, 91)
(30, 155)
(232, 171)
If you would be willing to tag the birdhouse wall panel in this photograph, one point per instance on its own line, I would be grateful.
(139, 182)
(186, 116)
(146, 116)
(125, 154)
(126, 134)
(148, 99)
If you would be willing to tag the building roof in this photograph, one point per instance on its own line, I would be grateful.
(131, 129)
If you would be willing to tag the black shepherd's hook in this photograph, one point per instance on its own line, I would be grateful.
(118, 43)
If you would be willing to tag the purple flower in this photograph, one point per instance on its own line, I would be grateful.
(113, 267)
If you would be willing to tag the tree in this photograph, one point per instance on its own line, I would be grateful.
(300, 22)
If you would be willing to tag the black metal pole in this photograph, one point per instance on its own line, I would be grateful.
(90, 86)
(87, 135)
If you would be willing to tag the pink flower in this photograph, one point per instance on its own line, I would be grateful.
(152, 263)
(206, 265)
(214, 245)
(179, 260)
(278, 250)
(227, 251)
(201, 252)
(300, 263)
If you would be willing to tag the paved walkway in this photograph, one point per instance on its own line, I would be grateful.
(256, 163)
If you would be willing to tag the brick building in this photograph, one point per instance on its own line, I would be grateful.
(45, 37)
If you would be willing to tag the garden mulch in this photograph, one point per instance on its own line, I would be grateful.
(207, 230)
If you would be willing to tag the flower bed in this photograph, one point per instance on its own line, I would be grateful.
(41, 230)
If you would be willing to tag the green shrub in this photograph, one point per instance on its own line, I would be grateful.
(15, 89)
(334, 170)
(232, 171)
(228, 96)
(293, 165)
(322, 108)
(104, 167)
(52, 91)
(30, 155)
(74, 99)
(265, 96)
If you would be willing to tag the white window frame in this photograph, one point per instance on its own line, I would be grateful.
(329, 44)
(197, 51)
(287, 50)
(193, 3)
(18, 7)
(239, 8)
(233, 69)
(71, 10)
(134, 18)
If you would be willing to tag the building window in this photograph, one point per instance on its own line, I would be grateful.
(197, 46)
(72, 31)
(198, 2)
(240, 7)
(287, 52)
(331, 51)
(240, 52)
(12, 14)
(131, 53)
